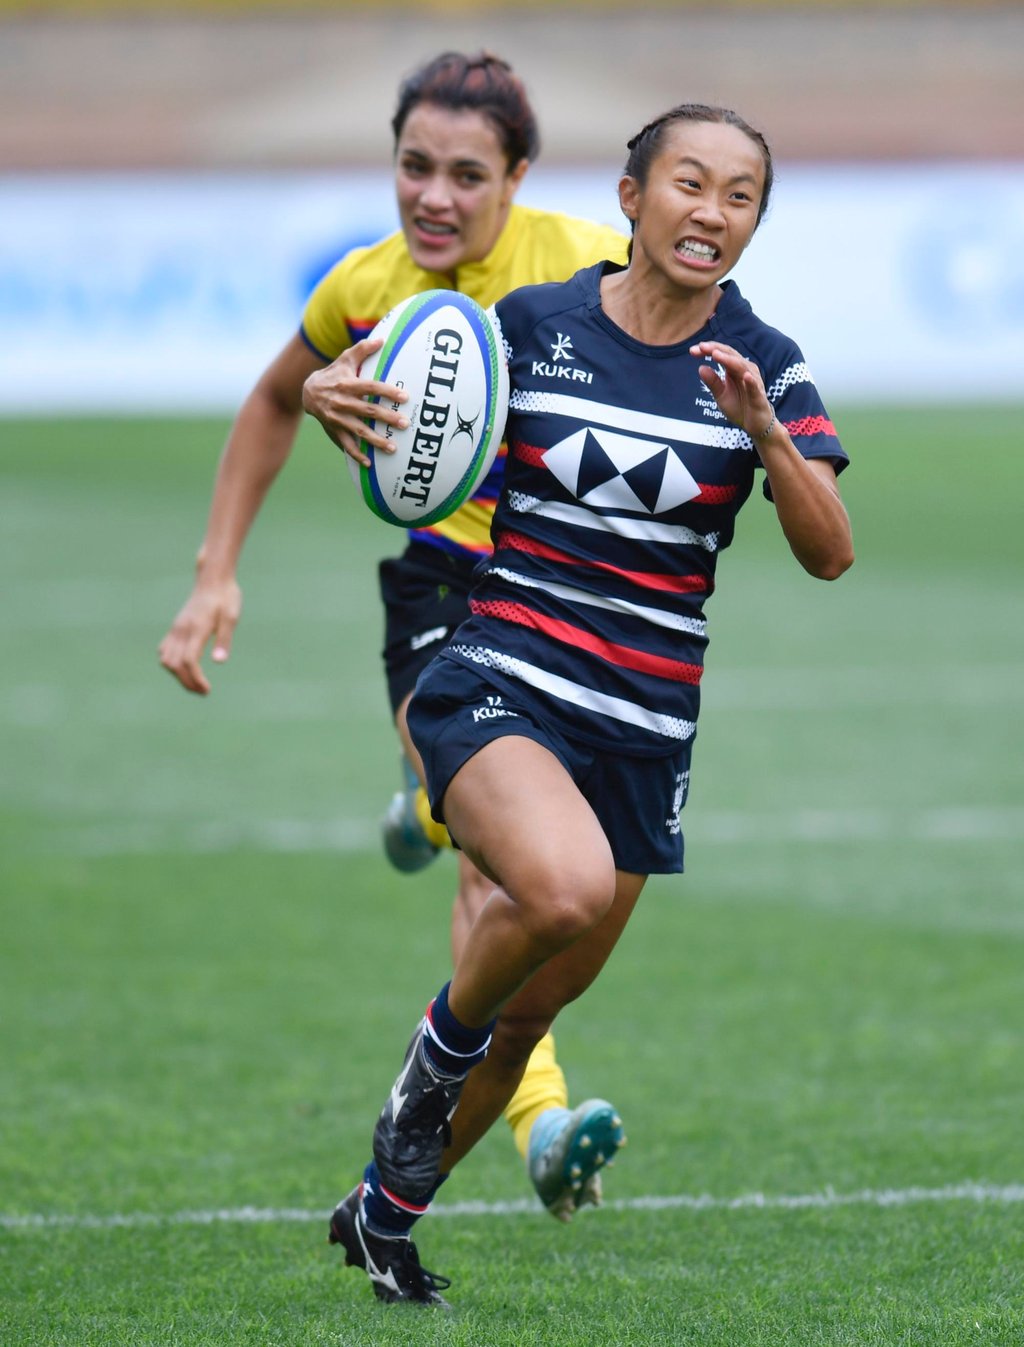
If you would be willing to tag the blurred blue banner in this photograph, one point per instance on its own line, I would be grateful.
(170, 293)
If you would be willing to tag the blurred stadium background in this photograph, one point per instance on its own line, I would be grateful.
(816, 1037)
(189, 171)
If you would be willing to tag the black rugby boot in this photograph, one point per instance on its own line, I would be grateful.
(392, 1264)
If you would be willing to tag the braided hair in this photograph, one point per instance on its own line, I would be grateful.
(645, 145)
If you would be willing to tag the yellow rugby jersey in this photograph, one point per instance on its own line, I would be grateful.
(535, 246)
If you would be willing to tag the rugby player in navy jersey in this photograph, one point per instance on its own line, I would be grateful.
(556, 726)
(465, 134)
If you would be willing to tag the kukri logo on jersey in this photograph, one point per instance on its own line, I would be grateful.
(561, 349)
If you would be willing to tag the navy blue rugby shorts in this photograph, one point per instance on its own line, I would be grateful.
(456, 710)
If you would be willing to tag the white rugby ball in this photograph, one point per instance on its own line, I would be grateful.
(447, 353)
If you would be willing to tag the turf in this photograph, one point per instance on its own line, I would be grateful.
(207, 972)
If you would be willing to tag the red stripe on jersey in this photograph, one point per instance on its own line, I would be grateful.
(715, 495)
(675, 584)
(624, 656)
(533, 456)
(810, 425)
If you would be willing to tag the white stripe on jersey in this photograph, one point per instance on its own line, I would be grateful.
(646, 530)
(656, 616)
(625, 418)
(576, 694)
(794, 374)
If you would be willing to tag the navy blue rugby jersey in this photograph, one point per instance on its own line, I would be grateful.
(622, 486)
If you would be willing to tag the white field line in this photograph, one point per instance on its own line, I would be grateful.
(949, 825)
(825, 1200)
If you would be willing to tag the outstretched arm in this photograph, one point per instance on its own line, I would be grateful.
(257, 448)
(805, 490)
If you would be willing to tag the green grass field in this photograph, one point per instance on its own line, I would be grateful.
(208, 973)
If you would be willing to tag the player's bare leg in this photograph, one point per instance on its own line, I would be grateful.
(527, 1017)
(558, 878)
(546, 1132)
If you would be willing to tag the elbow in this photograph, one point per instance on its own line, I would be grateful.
(831, 566)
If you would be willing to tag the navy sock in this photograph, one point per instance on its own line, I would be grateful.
(387, 1214)
(450, 1045)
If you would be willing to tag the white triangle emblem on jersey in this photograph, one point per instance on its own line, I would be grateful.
(615, 494)
(564, 458)
(677, 486)
(625, 451)
(624, 454)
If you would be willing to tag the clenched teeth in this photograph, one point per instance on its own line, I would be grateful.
(705, 252)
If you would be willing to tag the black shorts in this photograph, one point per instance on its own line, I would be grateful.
(426, 596)
(456, 711)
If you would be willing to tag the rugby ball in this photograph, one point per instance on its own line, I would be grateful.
(447, 353)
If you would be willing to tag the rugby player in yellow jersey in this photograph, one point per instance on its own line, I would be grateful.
(465, 134)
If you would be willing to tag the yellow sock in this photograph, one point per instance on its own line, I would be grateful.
(436, 832)
(542, 1087)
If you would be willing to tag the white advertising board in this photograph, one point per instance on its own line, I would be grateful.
(169, 293)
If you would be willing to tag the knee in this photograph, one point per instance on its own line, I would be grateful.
(567, 906)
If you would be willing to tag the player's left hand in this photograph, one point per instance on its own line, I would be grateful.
(736, 385)
(337, 396)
